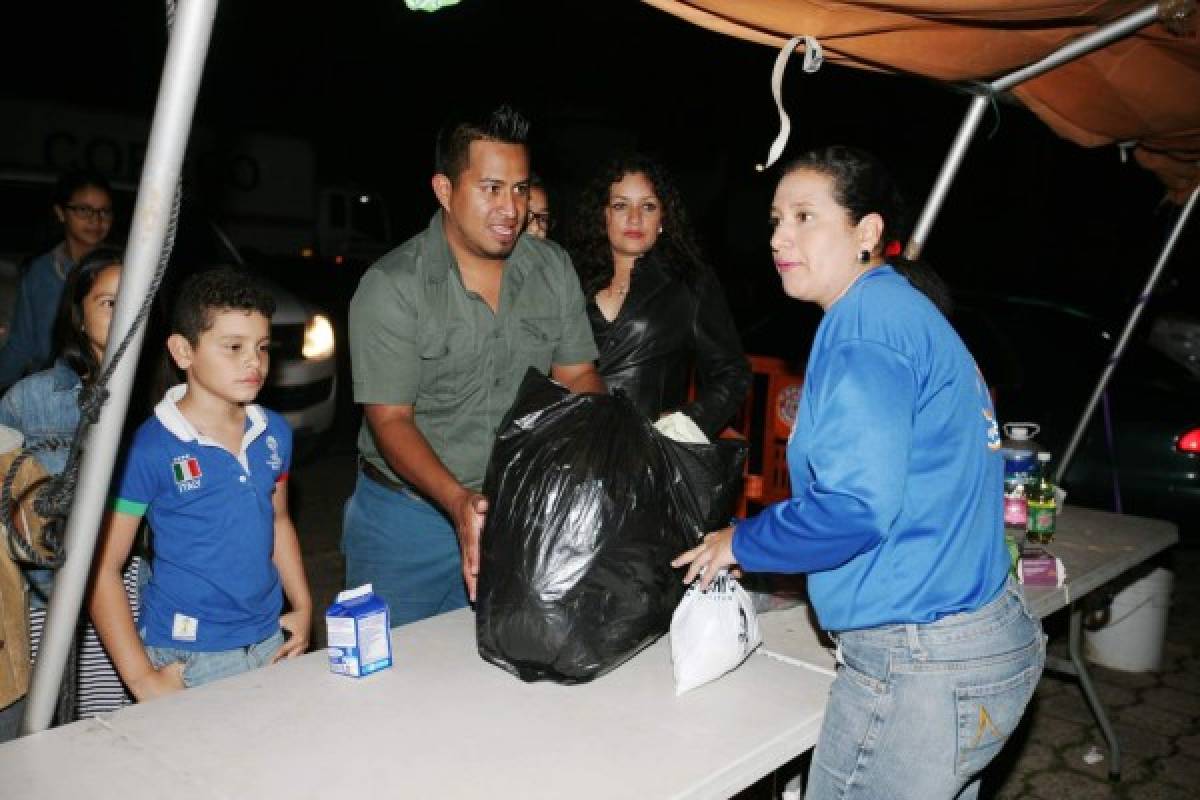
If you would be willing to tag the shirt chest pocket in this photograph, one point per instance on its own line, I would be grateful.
(449, 359)
(537, 337)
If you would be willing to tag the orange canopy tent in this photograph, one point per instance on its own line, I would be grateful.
(1143, 89)
(1096, 72)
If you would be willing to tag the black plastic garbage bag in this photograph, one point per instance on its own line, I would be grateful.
(588, 504)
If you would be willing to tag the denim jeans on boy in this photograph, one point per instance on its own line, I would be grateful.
(406, 548)
(917, 711)
(206, 667)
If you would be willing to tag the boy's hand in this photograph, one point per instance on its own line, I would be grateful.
(295, 625)
(165, 680)
(469, 511)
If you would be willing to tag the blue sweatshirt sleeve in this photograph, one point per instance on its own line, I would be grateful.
(857, 455)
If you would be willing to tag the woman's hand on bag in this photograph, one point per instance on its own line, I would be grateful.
(710, 557)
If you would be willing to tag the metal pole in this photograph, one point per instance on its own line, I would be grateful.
(1095, 40)
(941, 187)
(1101, 37)
(1123, 340)
(182, 70)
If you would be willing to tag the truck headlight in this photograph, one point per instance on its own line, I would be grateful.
(318, 338)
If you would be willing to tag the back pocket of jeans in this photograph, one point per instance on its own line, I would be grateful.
(987, 715)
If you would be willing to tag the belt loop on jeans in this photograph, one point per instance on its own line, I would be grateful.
(914, 641)
(837, 649)
(377, 475)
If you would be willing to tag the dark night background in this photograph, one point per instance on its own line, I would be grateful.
(368, 81)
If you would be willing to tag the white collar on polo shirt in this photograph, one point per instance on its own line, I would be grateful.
(168, 413)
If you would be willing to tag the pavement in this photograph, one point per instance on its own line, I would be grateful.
(1156, 716)
(1052, 756)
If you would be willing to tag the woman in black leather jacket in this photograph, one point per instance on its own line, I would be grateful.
(658, 312)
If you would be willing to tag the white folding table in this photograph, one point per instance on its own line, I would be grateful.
(442, 723)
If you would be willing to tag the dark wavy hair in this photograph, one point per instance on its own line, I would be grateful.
(72, 181)
(214, 290)
(70, 341)
(586, 236)
(453, 146)
(862, 185)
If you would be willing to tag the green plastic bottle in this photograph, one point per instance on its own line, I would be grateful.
(1043, 508)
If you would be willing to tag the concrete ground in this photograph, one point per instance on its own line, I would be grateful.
(1156, 715)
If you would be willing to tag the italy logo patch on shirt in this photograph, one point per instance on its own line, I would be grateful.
(186, 472)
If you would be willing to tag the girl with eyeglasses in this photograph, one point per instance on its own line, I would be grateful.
(83, 206)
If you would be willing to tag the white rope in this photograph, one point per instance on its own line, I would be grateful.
(813, 58)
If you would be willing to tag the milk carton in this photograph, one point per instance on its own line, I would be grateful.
(358, 627)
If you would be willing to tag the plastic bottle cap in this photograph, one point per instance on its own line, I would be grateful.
(1021, 431)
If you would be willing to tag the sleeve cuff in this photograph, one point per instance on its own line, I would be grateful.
(130, 507)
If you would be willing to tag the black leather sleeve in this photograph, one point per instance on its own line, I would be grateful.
(722, 369)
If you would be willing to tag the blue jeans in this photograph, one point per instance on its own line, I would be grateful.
(406, 548)
(917, 711)
(10, 720)
(200, 668)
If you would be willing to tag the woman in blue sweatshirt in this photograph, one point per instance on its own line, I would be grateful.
(896, 510)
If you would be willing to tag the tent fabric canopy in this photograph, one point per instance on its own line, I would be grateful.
(1144, 88)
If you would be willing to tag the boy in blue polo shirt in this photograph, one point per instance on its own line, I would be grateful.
(209, 473)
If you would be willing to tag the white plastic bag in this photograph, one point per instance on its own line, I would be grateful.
(681, 428)
(712, 632)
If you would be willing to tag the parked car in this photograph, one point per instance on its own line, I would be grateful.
(1141, 449)
(1177, 336)
(302, 383)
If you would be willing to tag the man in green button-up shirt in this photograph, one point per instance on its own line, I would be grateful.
(442, 330)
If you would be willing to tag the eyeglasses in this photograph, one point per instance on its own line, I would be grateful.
(542, 218)
(90, 213)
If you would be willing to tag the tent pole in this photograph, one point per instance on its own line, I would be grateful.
(1101, 37)
(1123, 340)
(182, 71)
(954, 159)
